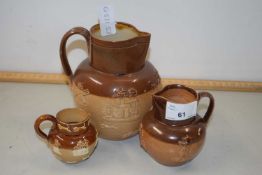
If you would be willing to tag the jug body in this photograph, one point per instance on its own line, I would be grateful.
(174, 142)
(115, 84)
(71, 138)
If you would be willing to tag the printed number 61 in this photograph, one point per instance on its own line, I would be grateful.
(181, 114)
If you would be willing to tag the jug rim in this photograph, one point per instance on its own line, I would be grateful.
(81, 114)
(143, 37)
(175, 86)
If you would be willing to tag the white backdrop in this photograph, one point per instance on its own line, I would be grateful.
(195, 39)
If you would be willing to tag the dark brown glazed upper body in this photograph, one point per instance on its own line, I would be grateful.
(193, 131)
(127, 85)
(70, 141)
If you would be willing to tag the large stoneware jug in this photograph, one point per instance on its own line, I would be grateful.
(116, 82)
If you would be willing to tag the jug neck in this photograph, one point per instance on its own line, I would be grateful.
(121, 53)
(173, 93)
(126, 35)
(72, 121)
(73, 128)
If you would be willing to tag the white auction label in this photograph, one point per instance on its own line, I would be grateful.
(56, 150)
(80, 152)
(175, 111)
(107, 21)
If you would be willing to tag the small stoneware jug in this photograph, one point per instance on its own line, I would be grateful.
(173, 133)
(71, 138)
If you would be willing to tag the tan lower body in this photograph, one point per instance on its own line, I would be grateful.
(73, 156)
(169, 154)
(115, 118)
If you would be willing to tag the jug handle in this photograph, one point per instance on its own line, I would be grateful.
(210, 106)
(76, 30)
(41, 119)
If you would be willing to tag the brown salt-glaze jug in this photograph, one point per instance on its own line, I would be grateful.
(116, 83)
(72, 138)
(179, 139)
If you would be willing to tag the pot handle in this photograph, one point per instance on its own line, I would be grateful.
(63, 56)
(210, 106)
(41, 119)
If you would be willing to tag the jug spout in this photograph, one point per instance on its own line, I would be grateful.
(121, 53)
(177, 94)
(143, 37)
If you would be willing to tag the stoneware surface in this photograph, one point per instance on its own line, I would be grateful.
(71, 137)
(232, 146)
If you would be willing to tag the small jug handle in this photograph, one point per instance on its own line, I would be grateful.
(41, 119)
(210, 106)
(63, 56)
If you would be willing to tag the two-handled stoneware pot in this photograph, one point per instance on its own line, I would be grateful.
(72, 138)
(116, 83)
(173, 133)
